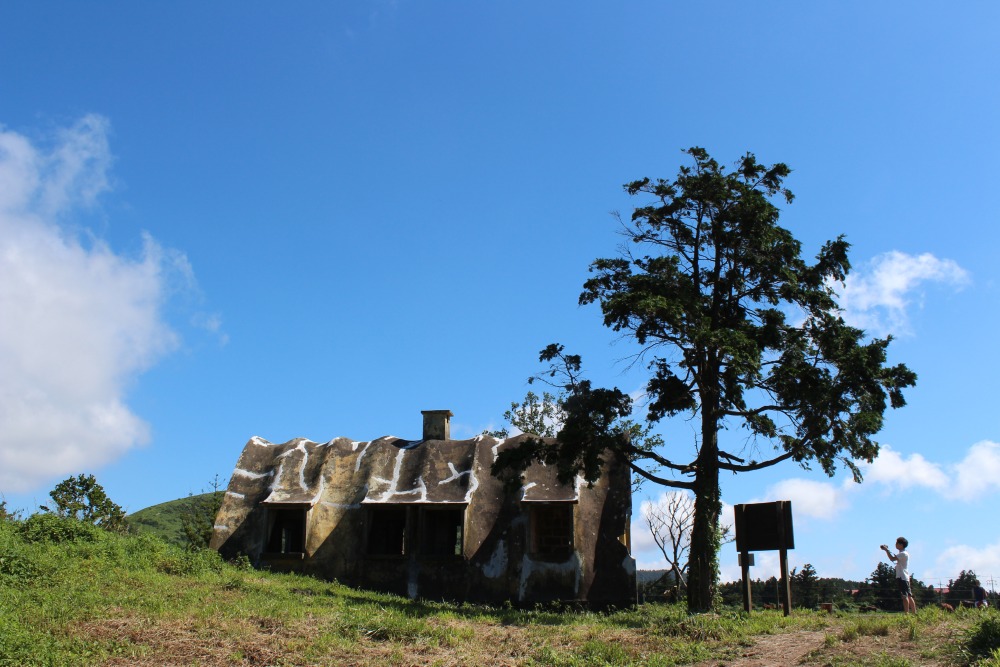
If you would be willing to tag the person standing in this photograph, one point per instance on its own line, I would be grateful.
(979, 595)
(902, 561)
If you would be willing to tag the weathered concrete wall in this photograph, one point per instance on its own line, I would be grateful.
(339, 482)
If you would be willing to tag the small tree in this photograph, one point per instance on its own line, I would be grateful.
(538, 416)
(805, 584)
(884, 591)
(670, 520)
(198, 518)
(82, 498)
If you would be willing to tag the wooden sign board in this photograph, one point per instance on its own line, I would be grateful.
(764, 526)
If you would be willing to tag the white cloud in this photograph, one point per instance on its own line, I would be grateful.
(647, 555)
(978, 473)
(895, 471)
(877, 298)
(80, 322)
(819, 500)
(984, 561)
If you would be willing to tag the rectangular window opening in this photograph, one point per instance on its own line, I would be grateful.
(552, 529)
(288, 531)
(387, 531)
(443, 532)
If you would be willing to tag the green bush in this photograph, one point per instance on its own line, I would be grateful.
(15, 566)
(187, 562)
(82, 498)
(52, 528)
(983, 639)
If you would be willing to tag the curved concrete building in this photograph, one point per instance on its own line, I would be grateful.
(426, 519)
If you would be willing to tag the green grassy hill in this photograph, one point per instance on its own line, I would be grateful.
(165, 520)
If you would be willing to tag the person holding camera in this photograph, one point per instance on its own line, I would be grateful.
(902, 561)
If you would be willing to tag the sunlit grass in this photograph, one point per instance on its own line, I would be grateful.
(138, 600)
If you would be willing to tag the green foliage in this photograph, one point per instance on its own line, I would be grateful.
(17, 567)
(167, 520)
(8, 515)
(880, 589)
(198, 521)
(594, 423)
(961, 588)
(737, 330)
(82, 498)
(805, 587)
(538, 416)
(924, 594)
(55, 528)
(767, 592)
(982, 641)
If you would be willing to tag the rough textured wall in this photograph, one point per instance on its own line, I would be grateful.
(338, 481)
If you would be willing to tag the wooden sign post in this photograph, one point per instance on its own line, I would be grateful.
(765, 527)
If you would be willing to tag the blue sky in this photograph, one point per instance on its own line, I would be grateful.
(233, 219)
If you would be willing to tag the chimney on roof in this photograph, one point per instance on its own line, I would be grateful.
(437, 424)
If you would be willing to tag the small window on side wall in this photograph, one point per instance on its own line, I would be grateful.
(288, 531)
(443, 532)
(552, 529)
(387, 531)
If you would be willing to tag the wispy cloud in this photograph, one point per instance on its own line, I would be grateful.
(878, 296)
(983, 561)
(80, 321)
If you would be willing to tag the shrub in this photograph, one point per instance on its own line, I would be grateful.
(82, 498)
(188, 562)
(8, 515)
(983, 639)
(52, 528)
(16, 566)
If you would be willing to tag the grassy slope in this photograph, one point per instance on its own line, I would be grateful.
(104, 599)
(164, 520)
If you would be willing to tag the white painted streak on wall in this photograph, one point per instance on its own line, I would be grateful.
(473, 485)
(341, 506)
(395, 476)
(497, 564)
(357, 463)
(239, 472)
(455, 474)
(302, 468)
(571, 566)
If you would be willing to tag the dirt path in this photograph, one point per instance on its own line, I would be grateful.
(784, 650)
